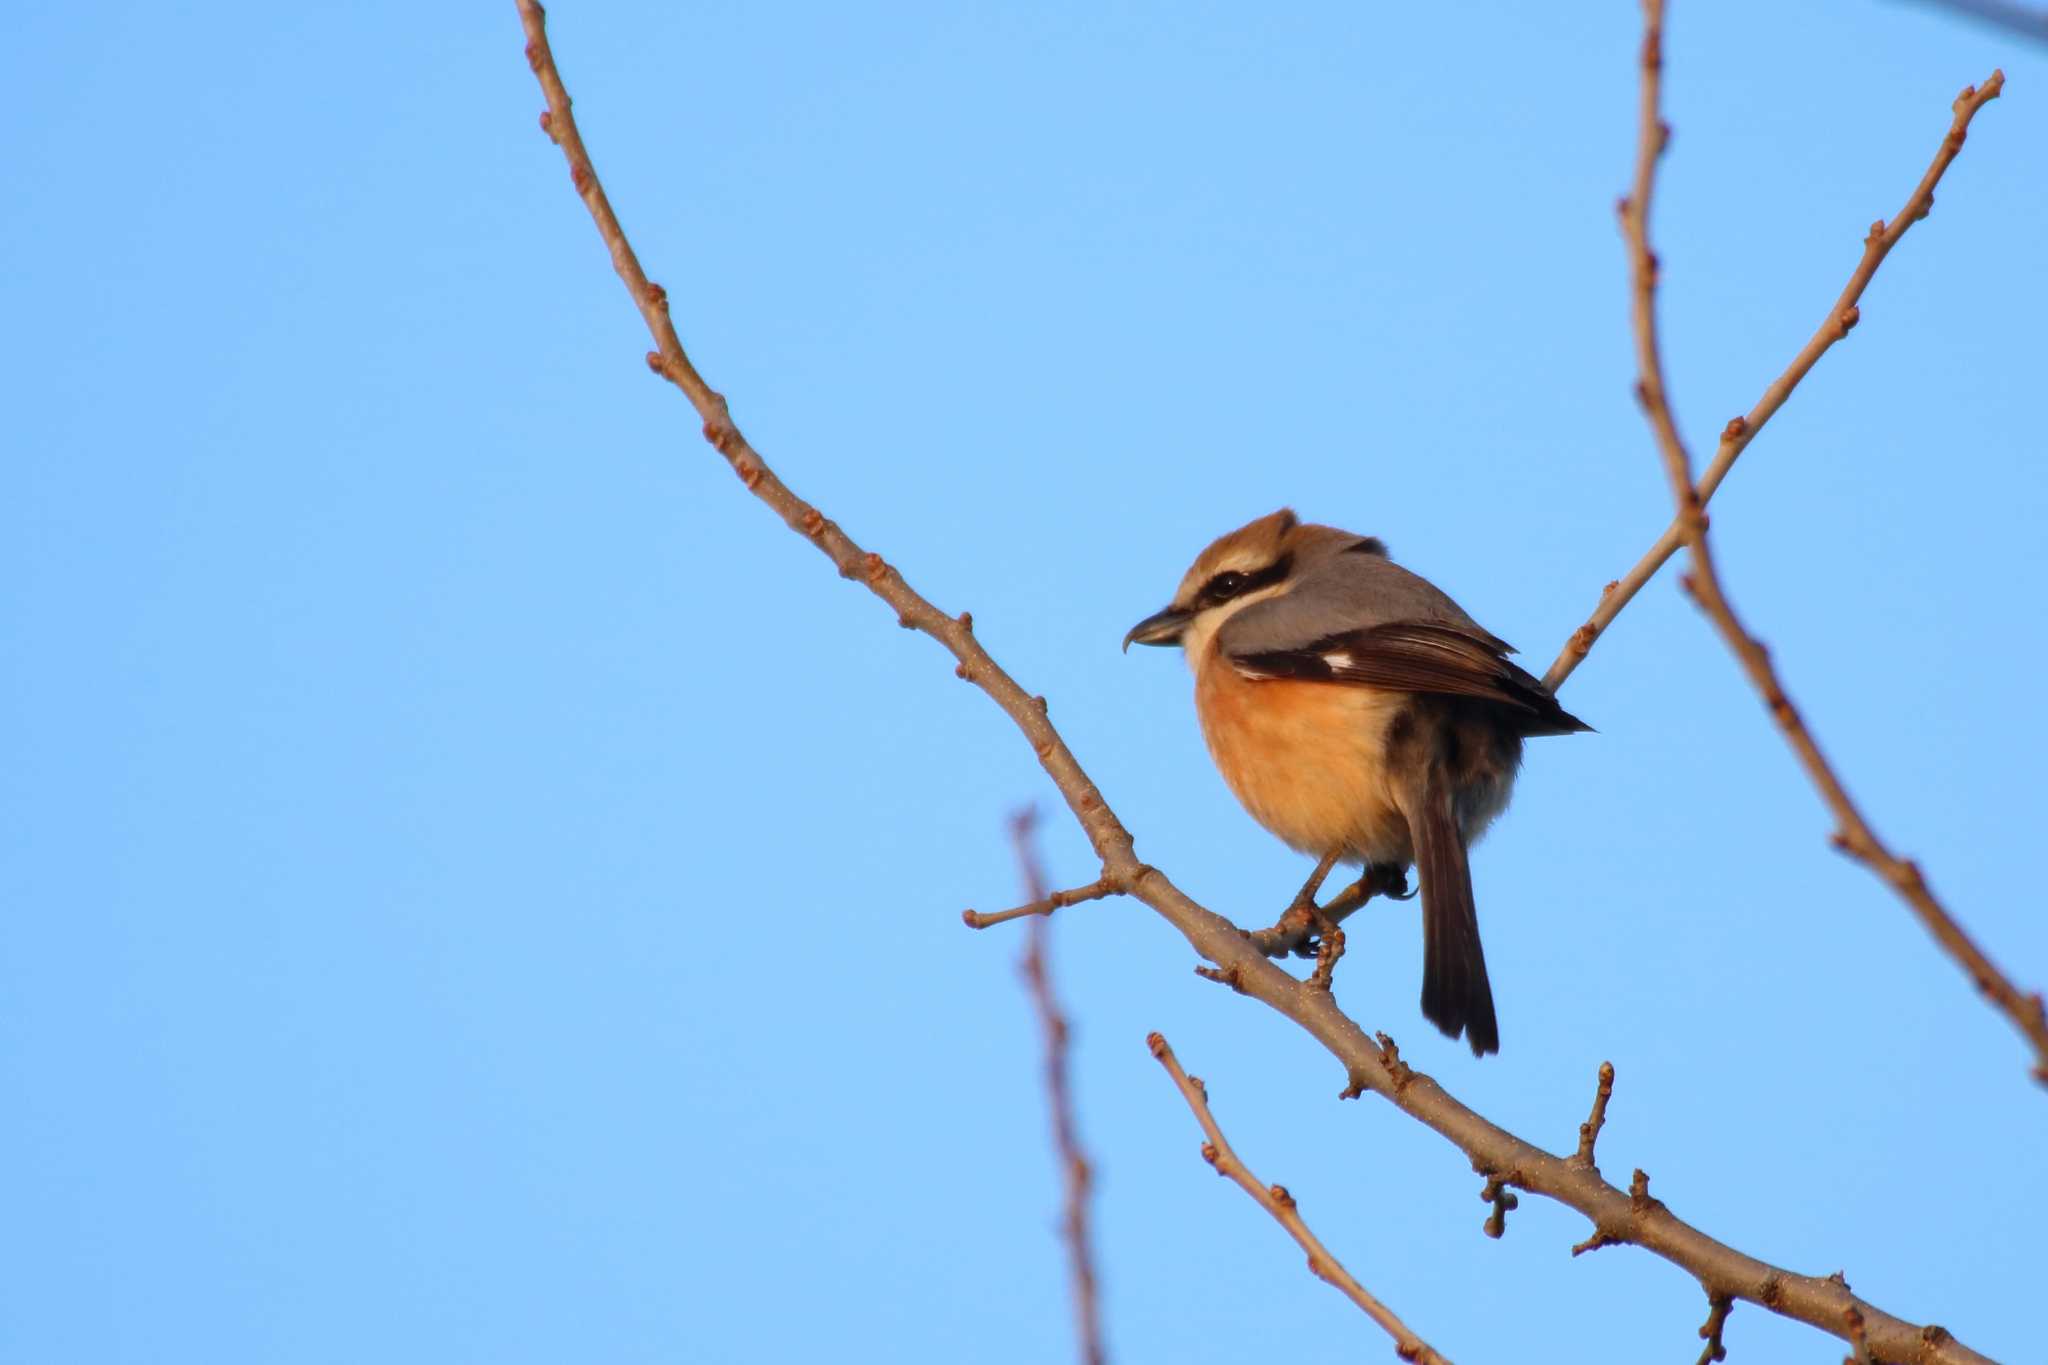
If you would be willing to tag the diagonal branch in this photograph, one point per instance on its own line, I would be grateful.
(1740, 431)
(1275, 1199)
(1853, 834)
(1719, 1268)
(1074, 1165)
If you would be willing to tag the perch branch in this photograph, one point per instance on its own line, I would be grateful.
(1853, 834)
(1275, 1199)
(1718, 1267)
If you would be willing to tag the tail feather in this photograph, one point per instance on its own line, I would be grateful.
(1456, 995)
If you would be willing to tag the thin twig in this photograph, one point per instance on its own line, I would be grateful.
(1853, 834)
(1074, 1164)
(1275, 1199)
(1043, 905)
(1740, 431)
(1589, 1131)
(1718, 1308)
(1367, 1066)
(1496, 1192)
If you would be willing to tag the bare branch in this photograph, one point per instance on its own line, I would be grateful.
(1818, 1302)
(1589, 1131)
(1277, 1201)
(1718, 1307)
(1853, 834)
(1043, 905)
(1497, 1193)
(1740, 431)
(1074, 1164)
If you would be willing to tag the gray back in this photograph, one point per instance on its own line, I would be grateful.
(1345, 591)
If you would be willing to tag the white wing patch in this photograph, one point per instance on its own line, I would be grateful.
(1337, 660)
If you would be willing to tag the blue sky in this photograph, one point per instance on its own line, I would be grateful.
(479, 889)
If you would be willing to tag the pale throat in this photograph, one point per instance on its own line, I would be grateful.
(1201, 632)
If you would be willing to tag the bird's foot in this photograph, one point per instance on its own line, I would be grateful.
(1301, 928)
(1329, 947)
(1389, 881)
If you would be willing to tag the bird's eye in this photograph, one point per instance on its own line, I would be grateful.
(1225, 586)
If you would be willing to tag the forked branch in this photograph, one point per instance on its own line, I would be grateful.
(1719, 1268)
(1853, 834)
(1740, 431)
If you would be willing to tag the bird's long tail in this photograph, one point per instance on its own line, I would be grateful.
(1456, 996)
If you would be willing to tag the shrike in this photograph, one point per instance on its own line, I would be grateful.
(1360, 715)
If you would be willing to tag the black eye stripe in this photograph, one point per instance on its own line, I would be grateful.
(1234, 583)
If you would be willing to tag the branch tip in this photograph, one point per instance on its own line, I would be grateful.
(1598, 1240)
(1589, 1131)
(1046, 904)
(1278, 1201)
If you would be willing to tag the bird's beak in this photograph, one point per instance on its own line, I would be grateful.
(1160, 628)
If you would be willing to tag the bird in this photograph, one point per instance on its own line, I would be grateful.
(1361, 716)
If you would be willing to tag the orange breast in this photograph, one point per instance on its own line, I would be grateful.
(1305, 758)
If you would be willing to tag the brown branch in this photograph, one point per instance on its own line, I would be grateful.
(1720, 1268)
(1589, 1131)
(1074, 1164)
(1740, 431)
(1718, 1308)
(1042, 905)
(1496, 1192)
(1853, 834)
(1275, 1199)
